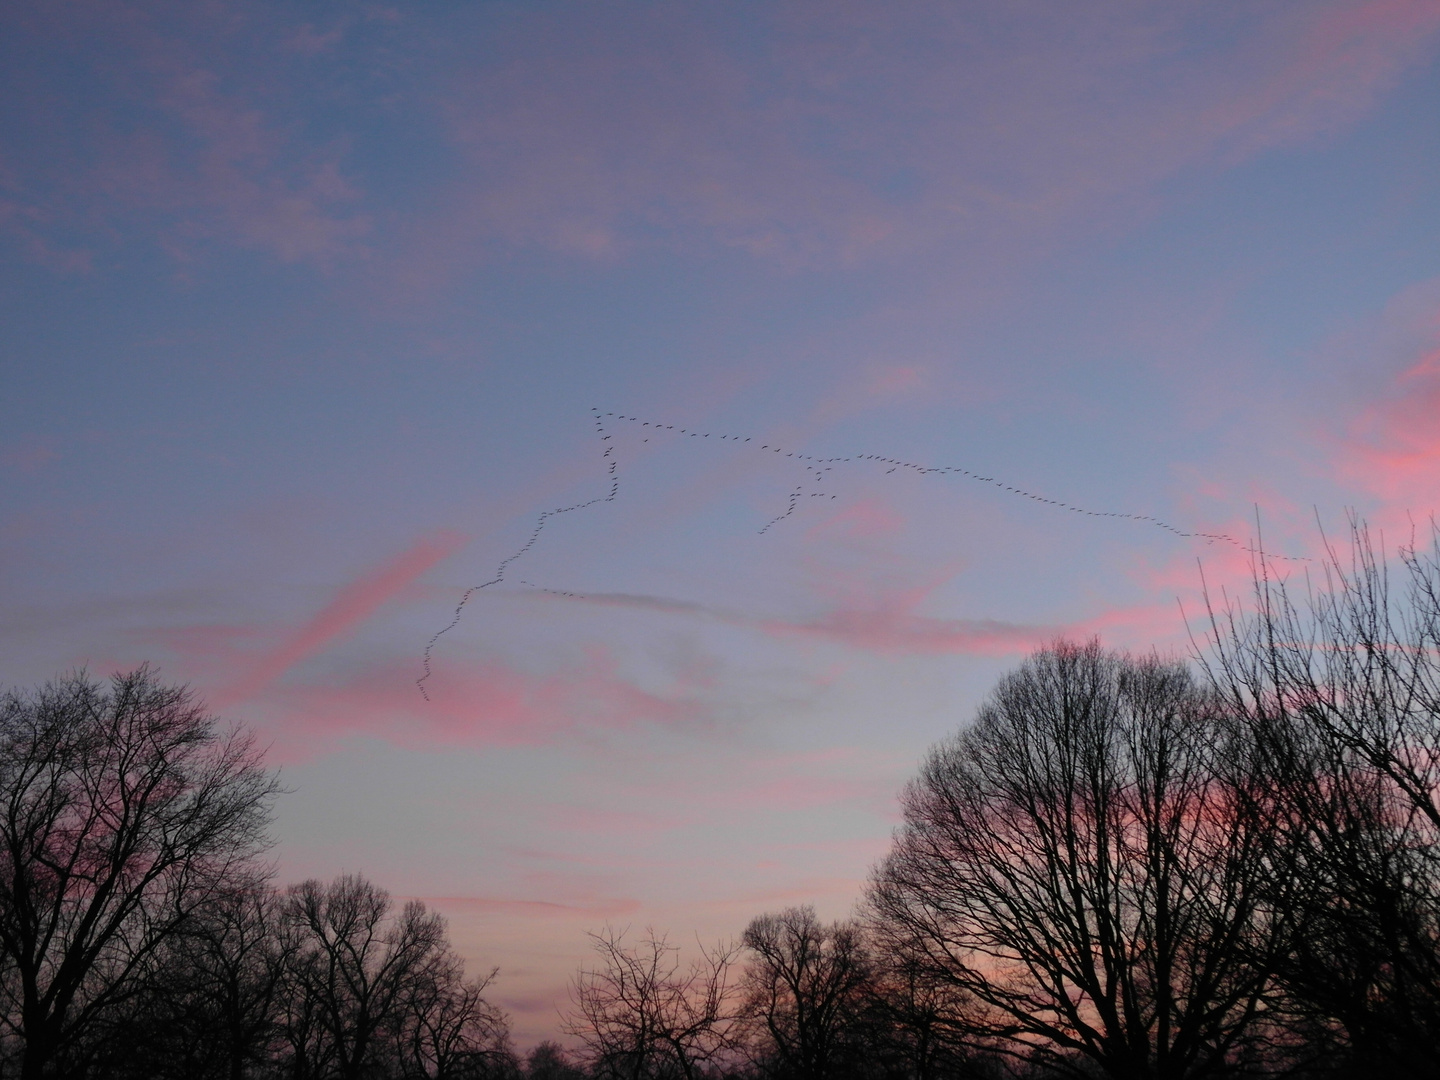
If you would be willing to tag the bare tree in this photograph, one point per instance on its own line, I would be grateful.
(209, 1007)
(642, 1016)
(123, 812)
(921, 1026)
(805, 989)
(1339, 682)
(1073, 862)
(358, 977)
(449, 1031)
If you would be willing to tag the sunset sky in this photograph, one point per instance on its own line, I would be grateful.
(309, 312)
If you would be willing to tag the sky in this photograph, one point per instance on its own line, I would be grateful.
(313, 315)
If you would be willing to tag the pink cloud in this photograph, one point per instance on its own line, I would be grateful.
(27, 224)
(871, 615)
(351, 607)
(1388, 452)
(863, 519)
(876, 385)
(212, 649)
(873, 386)
(838, 777)
(485, 704)
(796, 792)
(875, 605)
(244, 181)
(1394, 448)
(1338, 60)
(310, 42)
(573, 820)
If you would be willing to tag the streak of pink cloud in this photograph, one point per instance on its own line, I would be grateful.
(874, 386)
(873, 611)
(581, 820)
(352, 606)
(490, 704)
(616, 126)
(866, 518)
(840, 776)
(1333, 69)
(793, 793)
(869, 610)
(838, 891)
(1394, 448)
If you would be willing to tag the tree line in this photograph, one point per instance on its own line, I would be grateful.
(141, 936)
(1125, 866)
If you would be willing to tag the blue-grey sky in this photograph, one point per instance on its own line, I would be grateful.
(306, 310)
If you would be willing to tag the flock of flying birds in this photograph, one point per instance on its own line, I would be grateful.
(815, 470)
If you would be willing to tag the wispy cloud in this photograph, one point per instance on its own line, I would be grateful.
(180, 143)
(354, 604)
(1395, 448)
(864, 130)
(482, 704)
(1390, 449)
(860, 133)
(894, 626)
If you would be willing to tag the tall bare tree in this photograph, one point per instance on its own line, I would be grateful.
(922, 1027)
(1073, 863)
(209, 1009)
(642, 1016)
(124, 810)
(357, 976)
(1338, 678)
(805, 991)
(449, 1031)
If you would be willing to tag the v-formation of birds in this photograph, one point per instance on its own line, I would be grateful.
(815, 469)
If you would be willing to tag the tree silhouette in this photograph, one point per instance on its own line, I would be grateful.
(1072, 862)
(805, 988)
(357, 977)
(124, 812)
(1340, 688)
(642, 1016)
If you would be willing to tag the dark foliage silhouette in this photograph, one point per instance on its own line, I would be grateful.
(549, 1061)
(210, 1006)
